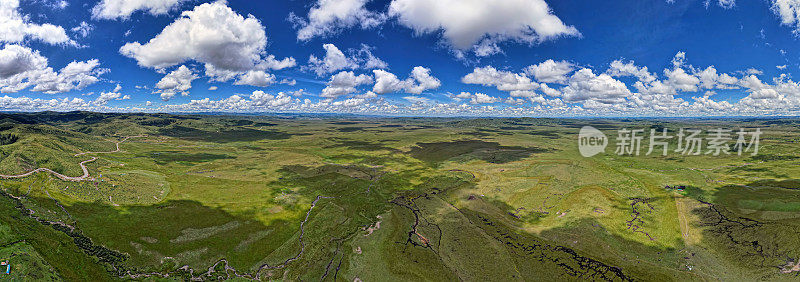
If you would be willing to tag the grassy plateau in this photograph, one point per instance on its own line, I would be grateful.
(352, 198)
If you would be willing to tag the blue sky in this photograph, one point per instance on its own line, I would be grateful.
(403, 57)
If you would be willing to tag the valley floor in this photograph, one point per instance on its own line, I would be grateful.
(145, 196)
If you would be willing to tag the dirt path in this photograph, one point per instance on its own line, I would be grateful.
(116, 143)
(63, 177)
(684, 223)
(83, 177)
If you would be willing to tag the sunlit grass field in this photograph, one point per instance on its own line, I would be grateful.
(340, 198)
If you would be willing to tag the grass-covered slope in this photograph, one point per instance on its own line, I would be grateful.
(26, 147)
(310, 198)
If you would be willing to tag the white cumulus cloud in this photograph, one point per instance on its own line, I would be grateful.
(177, 81)
(477, 98)
(213, 34)
(419, 81)
(550, 71)
(260, 99)
(15, 59)
(336, 60)
(116, 9)
(256, 78)
(789, 12)
(105, 97)
(343, 83)
(328, 17)
(503, 80)
(14, 27)
(465, 23)
(584, 85)
(84, 29)
(30, 104)
(620, 68)
(22, 67)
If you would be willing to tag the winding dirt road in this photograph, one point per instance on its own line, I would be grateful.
(63, 177)
(83, 177)
(117, 144)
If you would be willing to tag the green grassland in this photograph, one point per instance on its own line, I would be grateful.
(293, 197)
